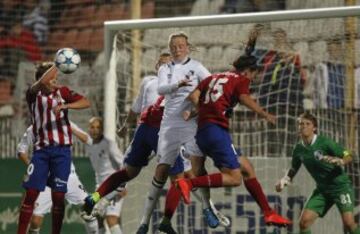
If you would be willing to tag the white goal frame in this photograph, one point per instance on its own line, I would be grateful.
(111, 27)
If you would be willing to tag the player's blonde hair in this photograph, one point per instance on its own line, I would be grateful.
(183, 35)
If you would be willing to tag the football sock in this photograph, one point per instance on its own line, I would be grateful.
(26, 210)
(112, 182)
(172, 200)
(115, 229)
(212, 180)
(252, 185)
(57, 211)
(152, 198)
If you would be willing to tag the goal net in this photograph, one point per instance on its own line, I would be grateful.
(307, 65)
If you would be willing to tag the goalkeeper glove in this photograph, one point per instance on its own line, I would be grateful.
(280, 185)
(333, 160)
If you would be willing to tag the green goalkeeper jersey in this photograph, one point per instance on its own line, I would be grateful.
(328, 177)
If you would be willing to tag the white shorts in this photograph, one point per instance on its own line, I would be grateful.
(75, 195)
(170, 140)
(191, 149)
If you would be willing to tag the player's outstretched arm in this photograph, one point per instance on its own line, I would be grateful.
(247, 101)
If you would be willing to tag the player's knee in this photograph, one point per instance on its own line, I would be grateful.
(235, 181)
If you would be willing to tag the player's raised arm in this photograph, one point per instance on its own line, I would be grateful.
(80, 134)
(45, 79)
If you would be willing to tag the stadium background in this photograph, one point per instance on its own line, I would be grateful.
(79, 24)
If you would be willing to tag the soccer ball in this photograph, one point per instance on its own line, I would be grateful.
(67, 60)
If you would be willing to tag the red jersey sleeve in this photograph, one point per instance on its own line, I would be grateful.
(69, 95)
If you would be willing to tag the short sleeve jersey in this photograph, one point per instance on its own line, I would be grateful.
(328, 177)
(218, 93)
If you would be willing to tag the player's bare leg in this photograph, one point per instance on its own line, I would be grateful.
(254, 188)
(36, 222)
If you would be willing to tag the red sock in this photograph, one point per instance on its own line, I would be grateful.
(212, 180)
(254, 188)
(172, 200)
(26, 210)
(57, 211)
(112, 182)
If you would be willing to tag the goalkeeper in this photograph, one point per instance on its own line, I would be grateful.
(324, 160)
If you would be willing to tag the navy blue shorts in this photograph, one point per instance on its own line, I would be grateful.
(144, 142)
(216, 142)
(49, 166)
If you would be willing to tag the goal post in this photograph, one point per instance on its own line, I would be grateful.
(307, 60)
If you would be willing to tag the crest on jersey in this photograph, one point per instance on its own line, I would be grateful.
(318, 154)
(190, 74)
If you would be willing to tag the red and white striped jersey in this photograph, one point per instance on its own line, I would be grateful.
(49, 128)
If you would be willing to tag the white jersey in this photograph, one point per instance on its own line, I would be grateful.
(105, 158)
(175, 98)
(174, 130)
(147, 95)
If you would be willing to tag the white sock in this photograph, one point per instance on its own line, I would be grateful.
(111, 195)
(116, 229)
(34, 231)
(151, 200)
(92, 227)
(203, 195)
